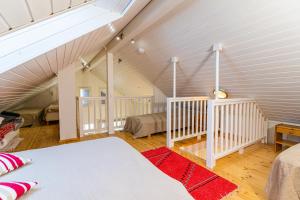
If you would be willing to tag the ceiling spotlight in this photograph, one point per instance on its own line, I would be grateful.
(132, 41)
(111, 28)
(120, 37)
(85, 65)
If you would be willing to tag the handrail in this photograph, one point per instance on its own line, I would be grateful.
(177, 99)
(93, 111)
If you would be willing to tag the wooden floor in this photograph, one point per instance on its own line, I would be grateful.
(249, 171)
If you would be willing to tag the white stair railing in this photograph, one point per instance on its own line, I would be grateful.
(186, 118)
(92, 115)
(131, 106)
(93, 112)
(233, 124)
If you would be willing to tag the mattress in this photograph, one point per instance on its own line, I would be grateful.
(144, 125)
(105, 169)
(51, 113)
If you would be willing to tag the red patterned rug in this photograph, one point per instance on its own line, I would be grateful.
(199, 182)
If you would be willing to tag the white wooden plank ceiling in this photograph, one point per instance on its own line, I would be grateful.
(15, 14)
(18, 13)
(260, 58)
(26, 78)
(114, 5)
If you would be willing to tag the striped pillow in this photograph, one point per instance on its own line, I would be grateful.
(14, 190)
(9, 162)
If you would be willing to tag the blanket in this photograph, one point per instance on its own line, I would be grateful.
(284, 180)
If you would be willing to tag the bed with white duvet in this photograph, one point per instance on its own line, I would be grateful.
(105, 169)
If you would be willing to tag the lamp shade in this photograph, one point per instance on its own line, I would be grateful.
(221, 94)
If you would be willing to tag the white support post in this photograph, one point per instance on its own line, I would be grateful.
(170, 143)
(67, 103)
(110, 92)
(174, 60)
(217, 48)
(210, 157)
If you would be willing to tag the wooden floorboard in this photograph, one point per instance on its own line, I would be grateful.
(249, 170)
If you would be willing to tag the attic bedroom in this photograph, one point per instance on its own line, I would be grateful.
(149, 99)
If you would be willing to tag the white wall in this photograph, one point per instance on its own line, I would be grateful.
(67, 103)
(90, 80)
(130, 82)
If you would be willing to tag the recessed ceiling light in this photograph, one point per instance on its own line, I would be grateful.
(111, 28)
(132, 41)
(118, 38)
(141, 50)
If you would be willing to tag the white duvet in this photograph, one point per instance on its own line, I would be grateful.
(100, 169)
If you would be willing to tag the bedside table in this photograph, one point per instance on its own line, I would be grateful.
(286, 129)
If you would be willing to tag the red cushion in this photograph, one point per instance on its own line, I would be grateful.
(10, 162)
(14, 190)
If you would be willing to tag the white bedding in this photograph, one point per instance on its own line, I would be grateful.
(106, 169)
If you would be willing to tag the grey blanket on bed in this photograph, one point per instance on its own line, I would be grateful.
(144, 125)
(284, 180)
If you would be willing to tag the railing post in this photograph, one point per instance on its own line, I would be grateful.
(80, 117)
(170, 143)
(265, 140)
(210, 157)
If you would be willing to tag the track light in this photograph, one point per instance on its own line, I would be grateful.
(120, 37)
(85, 65)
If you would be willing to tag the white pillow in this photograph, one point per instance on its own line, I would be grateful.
(1, 120)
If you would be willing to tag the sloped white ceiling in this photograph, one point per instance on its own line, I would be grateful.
(115, 5)
(18, 13)
(261, 41)
(26, 78)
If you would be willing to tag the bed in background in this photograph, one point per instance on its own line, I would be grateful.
(145, 125)
(99, 169)
(51, 113)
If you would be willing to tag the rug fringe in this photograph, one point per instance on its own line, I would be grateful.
(229, 195)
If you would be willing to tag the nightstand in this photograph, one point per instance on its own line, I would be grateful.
(284, 129)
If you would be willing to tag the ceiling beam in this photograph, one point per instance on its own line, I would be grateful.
(25, 44)
(152, 13)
